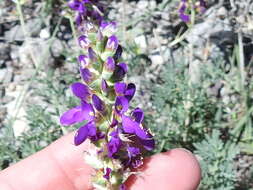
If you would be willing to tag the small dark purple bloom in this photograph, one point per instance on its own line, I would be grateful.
(107, 173)
(98, 103)
(104, 86)
(120, 88)
(109, 64)
(119, 72)
(138, 115)
(121, 104)
(130, 91)
(112, 43)
(185, 17)
(113, 146)
(77, 6)
(83, 60)
(122, 187)
(92, 55)
(88, 130)
(118, 53)
(80, 90)
(83, 41)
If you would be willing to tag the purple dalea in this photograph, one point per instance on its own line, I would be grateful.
(118, 133)
(186, 6)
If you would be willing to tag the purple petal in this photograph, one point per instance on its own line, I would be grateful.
(113, 146)
(81, 135)
(138, 115)
(149, 143)
(120, 88)
(107, 173)
(130, 91)
(184, 17)
(88, 111)
(122, 187)
(84, 132)
(132, 127)
(80, 90)
(72, 116)
(121, 104)
(98, 103)
(133, 151)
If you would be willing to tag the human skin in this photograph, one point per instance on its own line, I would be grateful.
(61, 166)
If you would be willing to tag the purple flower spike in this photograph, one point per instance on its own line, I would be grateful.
(130, 91)
(110, 64)
(120, 88)
(83, 41)
(83, 60)
(121, 104)
(80, 90)
(138, 115)
(112, 43)
(88, 130)
(98, 103)
(107, 173)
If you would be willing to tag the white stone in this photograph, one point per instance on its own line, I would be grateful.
(44, 33)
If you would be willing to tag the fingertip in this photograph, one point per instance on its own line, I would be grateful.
(177, 169)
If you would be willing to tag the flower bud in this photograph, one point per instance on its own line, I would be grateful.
(84, 42)
(84, 61)
(109, 67)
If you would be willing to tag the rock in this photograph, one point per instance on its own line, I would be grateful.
(57, 48)
(33, 27)
(44, 33)
(3, 113)
(2, 92)
(6, 75)
(141, 42)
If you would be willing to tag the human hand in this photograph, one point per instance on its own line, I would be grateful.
(61, 166)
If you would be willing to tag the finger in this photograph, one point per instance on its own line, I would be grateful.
(61, 166)
(176, 169)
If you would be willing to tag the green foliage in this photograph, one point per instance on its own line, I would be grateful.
(183, 112)
(216, 159)
(43, 119)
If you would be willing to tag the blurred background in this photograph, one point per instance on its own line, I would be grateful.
(194, 80)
